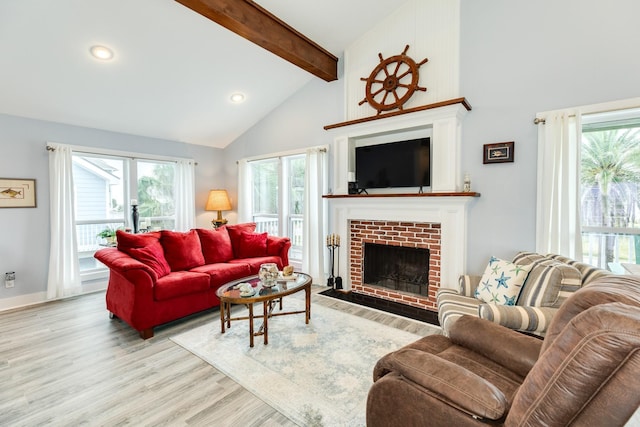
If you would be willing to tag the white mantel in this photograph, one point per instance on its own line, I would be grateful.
(443, 124)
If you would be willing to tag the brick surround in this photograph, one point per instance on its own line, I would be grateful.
(424, 235)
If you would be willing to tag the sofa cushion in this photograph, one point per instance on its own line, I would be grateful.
(254, 263)
(252, 245)
(216, 245)
(222, 273)
(501, 282)
(129, 240)
(180, 283)
(182, 249)
(152, 256)
(530, 319)
(527, 258)
(549, 283)
(587, 271)
(236, 230)
(443, 377)
(452, 306)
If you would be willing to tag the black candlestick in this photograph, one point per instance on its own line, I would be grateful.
(134, 216)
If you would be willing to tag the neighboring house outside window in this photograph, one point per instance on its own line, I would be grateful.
(104, 187)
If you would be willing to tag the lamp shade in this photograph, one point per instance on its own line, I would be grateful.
(218, 201)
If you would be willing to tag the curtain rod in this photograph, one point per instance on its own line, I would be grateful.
(50, 148)
(543, 121)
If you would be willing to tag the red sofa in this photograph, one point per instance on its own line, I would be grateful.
(162, 276)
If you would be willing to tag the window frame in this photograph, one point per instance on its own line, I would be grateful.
(546, 212)
(130, 160)
(285, 227)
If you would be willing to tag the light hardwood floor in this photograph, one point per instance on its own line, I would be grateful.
(65, 363)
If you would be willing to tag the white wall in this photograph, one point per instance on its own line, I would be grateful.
(519, 58)
(431, 30)
(295, 124)
(516, 59)
(24, 232)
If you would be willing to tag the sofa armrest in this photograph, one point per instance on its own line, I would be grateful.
(528, 319)
(123, 263)
(511, 349)
(467, 285)
(279, 246)
(452, 383)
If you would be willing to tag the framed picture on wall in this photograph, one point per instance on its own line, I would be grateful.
(501, 152)
(17, 193)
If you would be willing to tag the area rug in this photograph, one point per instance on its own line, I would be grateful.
(317, 374)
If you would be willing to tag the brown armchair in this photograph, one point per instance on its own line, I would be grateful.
(584, 372)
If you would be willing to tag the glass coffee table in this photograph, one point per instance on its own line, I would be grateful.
(269, 296)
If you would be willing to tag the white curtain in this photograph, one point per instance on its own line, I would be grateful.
(244, 192)
(314, 213)
(558, 197)
(64, 268)
(185, 195)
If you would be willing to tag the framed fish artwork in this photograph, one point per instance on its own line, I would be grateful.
(17, 193)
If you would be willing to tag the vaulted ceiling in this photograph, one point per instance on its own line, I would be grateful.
(173, 70)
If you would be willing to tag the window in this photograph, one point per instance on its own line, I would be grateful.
(610, 188)
(104, 187)
(588, 175)
(277, 198)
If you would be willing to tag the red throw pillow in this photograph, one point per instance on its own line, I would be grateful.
(152, 256)
(128, 240)
(235, 231)
(216, 245)
(182, 249)
(276, 244)
(252, 245)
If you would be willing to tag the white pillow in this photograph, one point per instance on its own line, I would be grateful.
(501, 282)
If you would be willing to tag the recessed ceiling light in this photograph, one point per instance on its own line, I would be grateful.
(237, 97)
(101, 52)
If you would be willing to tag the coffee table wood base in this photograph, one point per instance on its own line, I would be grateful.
(268, 305)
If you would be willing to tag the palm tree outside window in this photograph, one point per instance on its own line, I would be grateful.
(610, 189)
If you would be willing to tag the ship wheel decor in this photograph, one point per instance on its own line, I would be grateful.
(392, 82)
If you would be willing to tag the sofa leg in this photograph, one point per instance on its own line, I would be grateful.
(112, 316)
(145, 334)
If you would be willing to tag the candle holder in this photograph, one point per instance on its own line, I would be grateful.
(134, 217)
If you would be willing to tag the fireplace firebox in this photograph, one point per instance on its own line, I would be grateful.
(398, 268)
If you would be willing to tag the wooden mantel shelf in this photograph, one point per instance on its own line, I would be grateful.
(462, 101)
(456, 194)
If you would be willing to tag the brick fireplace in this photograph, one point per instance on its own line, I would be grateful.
(435, 220)
(400, 234)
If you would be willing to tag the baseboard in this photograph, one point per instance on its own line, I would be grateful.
(22, 301)
(28, 300)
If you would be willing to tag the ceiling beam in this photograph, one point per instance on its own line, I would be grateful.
(256, 24)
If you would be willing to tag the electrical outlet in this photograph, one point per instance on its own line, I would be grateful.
(10, 279)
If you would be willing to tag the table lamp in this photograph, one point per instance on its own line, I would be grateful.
(218, 201)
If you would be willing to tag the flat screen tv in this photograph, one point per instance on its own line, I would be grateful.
(395, 164)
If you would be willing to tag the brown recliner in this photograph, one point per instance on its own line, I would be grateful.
(586, 371)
